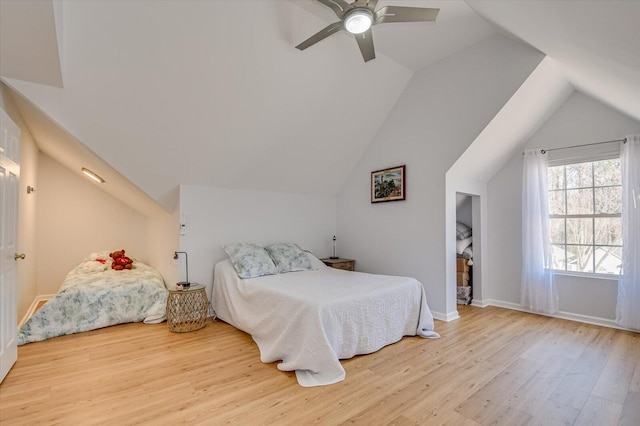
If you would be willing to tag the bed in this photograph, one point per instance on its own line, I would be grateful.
(93, 296)
(310, 319)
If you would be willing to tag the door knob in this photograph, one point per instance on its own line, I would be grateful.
(17, 256)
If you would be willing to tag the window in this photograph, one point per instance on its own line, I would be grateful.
(585, 204)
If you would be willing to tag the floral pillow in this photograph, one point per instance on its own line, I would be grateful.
(250, 260)
(289, 257)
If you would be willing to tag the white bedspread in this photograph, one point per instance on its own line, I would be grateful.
(312, 319)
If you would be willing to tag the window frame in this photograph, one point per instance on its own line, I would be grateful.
(569, 162)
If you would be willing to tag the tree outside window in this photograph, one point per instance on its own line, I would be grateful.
(585, 205)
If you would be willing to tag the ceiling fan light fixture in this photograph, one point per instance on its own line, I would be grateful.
(357, 17)
(358, 21)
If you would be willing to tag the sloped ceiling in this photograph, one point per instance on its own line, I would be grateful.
(416, 45)
(597, 43)
(29, 41)
(214, 92)
(544, 91)
(70, 152)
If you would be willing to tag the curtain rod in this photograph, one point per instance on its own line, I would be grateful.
(585, 144)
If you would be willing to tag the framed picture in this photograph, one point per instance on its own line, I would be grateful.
(388, 184)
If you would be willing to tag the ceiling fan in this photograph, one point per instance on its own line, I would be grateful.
(358, 17)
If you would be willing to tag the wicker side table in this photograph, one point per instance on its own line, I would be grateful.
(187, 309)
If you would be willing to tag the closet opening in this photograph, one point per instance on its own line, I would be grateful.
(464, 248)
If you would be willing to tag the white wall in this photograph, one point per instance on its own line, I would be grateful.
(463, 209)
(75, 219)
(579, 120)
(163, 238)
(440, 113)
(215, 217)
(27, 283)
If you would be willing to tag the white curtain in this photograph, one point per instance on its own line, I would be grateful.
(538, 291)
(628, 309)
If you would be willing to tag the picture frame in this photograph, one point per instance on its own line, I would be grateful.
(388, 184)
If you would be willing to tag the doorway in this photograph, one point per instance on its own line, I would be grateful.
(468, 244)
(464, 249)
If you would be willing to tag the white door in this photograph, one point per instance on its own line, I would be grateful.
(9, 174)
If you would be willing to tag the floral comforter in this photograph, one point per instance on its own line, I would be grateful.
(89, 300)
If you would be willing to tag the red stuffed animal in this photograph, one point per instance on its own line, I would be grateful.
(120, 261)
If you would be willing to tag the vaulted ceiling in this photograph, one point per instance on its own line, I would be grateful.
(597, 43)
(214, 92)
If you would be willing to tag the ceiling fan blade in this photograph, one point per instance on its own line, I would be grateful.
(405, 14)
(369, 4)
(339, 7)
(320, 35)
(365, 43)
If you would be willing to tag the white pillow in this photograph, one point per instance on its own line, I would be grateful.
(463, 244)
(462, 231)
(468, 253)
(99, 255)
(93, 266)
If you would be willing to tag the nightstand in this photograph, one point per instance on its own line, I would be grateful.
(187, 309)
(345, 264)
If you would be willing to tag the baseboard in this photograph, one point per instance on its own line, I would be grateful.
(33, 306)
(446, 318)
(479, 303)
(587, 319)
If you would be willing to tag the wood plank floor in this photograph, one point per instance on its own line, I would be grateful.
(493, 366)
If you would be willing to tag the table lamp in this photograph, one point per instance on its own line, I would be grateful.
(186, 283)
(334, 249)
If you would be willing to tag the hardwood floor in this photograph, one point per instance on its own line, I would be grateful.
(493, 366)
